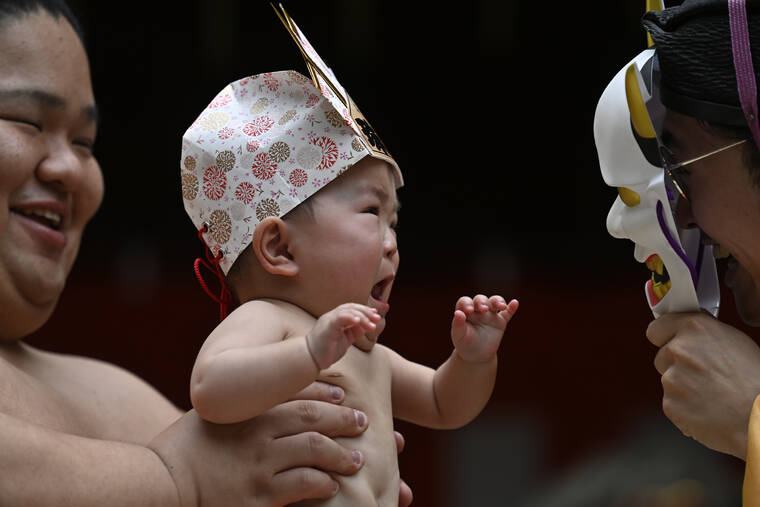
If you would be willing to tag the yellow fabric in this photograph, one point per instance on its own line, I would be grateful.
(751, 490)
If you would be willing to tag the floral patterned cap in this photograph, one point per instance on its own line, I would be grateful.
(264, 145)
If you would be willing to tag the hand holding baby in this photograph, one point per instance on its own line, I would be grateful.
(337, 330)
(478, 326)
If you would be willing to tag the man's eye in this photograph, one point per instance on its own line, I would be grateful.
(87, 145)
(23, 122)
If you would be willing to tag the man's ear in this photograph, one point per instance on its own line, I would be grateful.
(271, 242)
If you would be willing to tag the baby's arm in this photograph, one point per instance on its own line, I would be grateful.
(457, 391)
(247, 365)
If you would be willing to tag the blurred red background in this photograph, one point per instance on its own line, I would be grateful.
(574, 362)
(488, 108)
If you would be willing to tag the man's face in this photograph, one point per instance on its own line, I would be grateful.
(724, 203)
(347, 251)
(50, 183)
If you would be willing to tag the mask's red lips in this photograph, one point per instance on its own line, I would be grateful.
(659, 282)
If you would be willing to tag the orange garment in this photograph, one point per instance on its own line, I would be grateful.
(751, 490)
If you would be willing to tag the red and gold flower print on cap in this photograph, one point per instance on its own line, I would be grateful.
(265, 144)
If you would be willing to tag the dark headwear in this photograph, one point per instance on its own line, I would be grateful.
(693, 44)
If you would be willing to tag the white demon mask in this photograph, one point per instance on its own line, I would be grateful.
(627, 131)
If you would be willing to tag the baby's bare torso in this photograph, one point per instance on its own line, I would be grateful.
(366, 379)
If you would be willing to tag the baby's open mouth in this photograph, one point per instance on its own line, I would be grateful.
(43, 216)
(379, 291)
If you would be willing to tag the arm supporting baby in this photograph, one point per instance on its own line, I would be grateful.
(43, 467)
(457, 391)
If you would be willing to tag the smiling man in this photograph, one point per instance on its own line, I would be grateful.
(709, 58)
(76, 431)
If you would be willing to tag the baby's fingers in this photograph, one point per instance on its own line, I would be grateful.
(497, 303)
(351, 317)
(370, 312)
(510, 310)
(481, 303)
(465, 305)
(458, 324)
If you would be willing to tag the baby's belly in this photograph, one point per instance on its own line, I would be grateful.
(366, 382)
(377, 483)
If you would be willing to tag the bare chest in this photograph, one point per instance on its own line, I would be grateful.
(35, 400)
(366, 380)
(83, 397)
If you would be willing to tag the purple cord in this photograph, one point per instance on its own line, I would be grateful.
(700, 256)
(674, 244)
(745, 72)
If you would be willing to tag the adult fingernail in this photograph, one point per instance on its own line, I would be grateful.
(361, 418)
(336, 393)
(356, 456)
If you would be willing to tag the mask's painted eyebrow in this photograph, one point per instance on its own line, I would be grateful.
(90, 112)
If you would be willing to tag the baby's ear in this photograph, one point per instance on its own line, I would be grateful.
(271, 243)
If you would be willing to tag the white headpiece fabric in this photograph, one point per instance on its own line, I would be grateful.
(265, 144)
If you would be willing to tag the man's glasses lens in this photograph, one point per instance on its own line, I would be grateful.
(675, 169)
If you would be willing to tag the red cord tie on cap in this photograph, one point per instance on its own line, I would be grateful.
(212, 264)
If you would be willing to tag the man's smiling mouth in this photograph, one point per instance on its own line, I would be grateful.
(720, 252)
(41, 215)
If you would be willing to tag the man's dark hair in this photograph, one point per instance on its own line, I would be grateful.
(14, 9)
(750, 151)
(697, 75)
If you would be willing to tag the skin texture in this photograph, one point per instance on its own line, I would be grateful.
(323, 288)
(46, 133)
(80, 432)
(711, 371)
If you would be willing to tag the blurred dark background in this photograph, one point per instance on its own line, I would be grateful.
(488, 108)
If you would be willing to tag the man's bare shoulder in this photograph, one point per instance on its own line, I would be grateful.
(81, 395)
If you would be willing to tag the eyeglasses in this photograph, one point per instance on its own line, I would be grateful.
(674, 169)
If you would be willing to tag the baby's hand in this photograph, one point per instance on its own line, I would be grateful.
(478, 326)
(337, 329)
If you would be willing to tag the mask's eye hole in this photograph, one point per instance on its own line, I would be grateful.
(629, 197)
